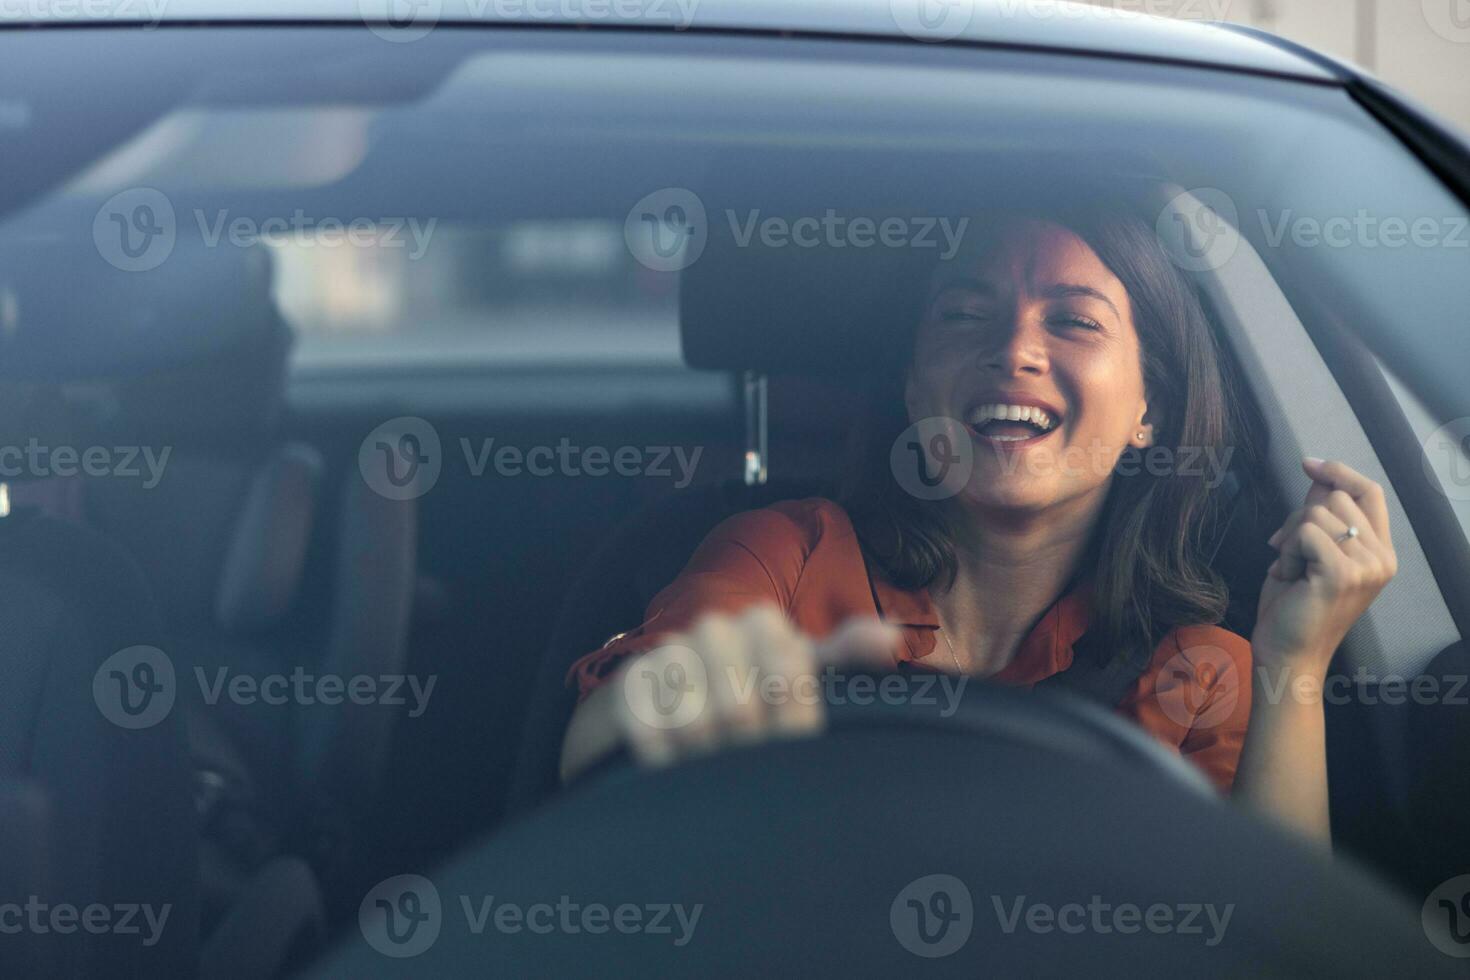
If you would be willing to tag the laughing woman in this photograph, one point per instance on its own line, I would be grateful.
(1052, 348)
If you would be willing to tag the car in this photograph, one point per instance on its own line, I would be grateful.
(365, 364)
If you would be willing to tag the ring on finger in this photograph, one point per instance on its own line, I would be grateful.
(1350, 533)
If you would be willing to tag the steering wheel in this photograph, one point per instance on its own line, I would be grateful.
(1054, 721)
(1006, 834)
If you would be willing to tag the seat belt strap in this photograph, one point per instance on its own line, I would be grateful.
(1096, 673)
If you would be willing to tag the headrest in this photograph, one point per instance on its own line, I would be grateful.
(193, 346)
(66, 313)
(234, 395)
(781, 287)
(789, 309)
(267, 553)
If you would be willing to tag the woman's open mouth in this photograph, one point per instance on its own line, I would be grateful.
(1010, 426)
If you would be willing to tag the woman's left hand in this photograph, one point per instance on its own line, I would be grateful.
(1323, 580)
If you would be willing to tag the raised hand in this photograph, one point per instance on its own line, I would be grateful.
(1326, 574)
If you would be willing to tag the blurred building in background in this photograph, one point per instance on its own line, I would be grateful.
(1421, 47)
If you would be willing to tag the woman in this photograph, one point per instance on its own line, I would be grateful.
(999, 526)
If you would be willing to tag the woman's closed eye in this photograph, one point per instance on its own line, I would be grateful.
(979, 317)
(1077, 320)
(965, 317)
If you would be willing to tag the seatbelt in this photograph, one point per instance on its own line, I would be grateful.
(1095, 673)
(1106, 676)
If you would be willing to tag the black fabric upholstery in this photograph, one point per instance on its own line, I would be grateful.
(263, 566)
(278, 913)
(341, 751)
(25, 869)
(648, 551)
(179, 530)
(819, 311)
(77, 317)
(610, 595)
(122, 826)
(799, 853)
(229, 539)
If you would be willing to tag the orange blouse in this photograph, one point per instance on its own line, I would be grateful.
(803, 556)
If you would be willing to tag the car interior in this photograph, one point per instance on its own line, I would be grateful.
(241, 389)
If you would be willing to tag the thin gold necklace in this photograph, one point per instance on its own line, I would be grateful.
(952, 654)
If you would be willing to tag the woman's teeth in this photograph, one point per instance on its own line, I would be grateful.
(996, 416)
(1010, 413)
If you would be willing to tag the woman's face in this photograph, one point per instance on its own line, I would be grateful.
(1031, 324)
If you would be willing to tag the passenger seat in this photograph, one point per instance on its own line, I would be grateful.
(98, 810)
(237, 537)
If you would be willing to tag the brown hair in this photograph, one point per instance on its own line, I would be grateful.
(1146, 558)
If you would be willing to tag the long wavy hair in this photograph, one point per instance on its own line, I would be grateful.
(1147, 556)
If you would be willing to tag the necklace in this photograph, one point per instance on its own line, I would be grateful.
(955, 656)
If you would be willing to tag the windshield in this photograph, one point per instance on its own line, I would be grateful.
(411, 395)
(468, 207)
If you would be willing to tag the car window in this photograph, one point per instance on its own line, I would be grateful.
(476, 209)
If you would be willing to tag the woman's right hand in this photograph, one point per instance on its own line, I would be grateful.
(728, 681)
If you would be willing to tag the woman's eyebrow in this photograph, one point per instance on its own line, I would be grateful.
(1065, 290)
(966, 283)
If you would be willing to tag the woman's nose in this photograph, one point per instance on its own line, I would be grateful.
(1021, 351)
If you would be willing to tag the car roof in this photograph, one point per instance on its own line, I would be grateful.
(1114, 30)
